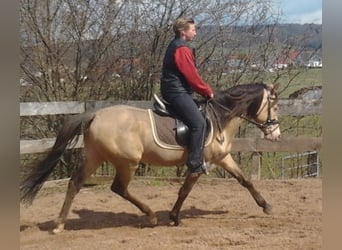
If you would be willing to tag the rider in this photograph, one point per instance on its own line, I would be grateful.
(178, 82)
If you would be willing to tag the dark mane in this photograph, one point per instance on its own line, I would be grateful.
(240, 99)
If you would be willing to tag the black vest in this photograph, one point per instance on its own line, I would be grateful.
(173, 82)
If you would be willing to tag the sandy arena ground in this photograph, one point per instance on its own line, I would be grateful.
(218, 214)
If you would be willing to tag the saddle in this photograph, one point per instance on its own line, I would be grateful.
(163, 108)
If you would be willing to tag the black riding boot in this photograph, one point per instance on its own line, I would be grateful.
(195, 160)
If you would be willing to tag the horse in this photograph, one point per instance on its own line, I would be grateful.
(123, 136)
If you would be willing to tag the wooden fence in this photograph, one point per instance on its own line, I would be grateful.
(287, 107)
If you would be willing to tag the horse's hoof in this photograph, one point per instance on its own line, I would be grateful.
(267, 209)
(174, 219)
(174, 223)
(57, 230)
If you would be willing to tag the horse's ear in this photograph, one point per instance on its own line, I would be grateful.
(273, 87)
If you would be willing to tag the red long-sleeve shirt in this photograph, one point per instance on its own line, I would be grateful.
(185, 63)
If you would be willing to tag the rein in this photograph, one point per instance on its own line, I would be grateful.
(209, 102)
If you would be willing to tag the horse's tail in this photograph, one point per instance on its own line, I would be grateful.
(68, 135)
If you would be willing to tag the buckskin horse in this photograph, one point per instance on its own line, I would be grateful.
(124, 136)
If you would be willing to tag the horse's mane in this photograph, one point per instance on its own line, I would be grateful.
(239, 99)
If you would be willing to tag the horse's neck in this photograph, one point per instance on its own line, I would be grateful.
(232, 127)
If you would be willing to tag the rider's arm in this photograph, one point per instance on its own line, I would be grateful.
(185, 63)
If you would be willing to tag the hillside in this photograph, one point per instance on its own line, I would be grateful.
(313, 32)
(309, 35)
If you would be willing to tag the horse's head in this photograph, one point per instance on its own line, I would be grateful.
(257, 103)
(267, 115)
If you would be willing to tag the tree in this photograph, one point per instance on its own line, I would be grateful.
(81, 49)
(67, 48)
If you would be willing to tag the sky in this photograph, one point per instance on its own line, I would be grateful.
(300, 11)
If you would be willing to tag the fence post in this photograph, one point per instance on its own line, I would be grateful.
(256, 165)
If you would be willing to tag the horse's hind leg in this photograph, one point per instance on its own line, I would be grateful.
(76, 182)
(124, 174)
(229, 164)
(182, 194)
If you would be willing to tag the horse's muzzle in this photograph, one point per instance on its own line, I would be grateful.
(272, 133)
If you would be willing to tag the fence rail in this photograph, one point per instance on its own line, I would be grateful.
(287, 107)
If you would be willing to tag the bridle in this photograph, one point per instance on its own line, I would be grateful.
(264, 126)
(269, 121)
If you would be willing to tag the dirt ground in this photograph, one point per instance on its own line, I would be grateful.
(218, 214)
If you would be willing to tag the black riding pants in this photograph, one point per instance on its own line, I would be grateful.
(187, 111)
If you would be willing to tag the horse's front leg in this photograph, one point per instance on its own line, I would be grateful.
(183, 192)
(229, 164)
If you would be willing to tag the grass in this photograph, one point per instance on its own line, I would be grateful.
(304, 78)
(290, 80)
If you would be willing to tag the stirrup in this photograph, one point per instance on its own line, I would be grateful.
(204, 170)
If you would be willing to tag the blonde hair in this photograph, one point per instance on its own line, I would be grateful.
(182, 24)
